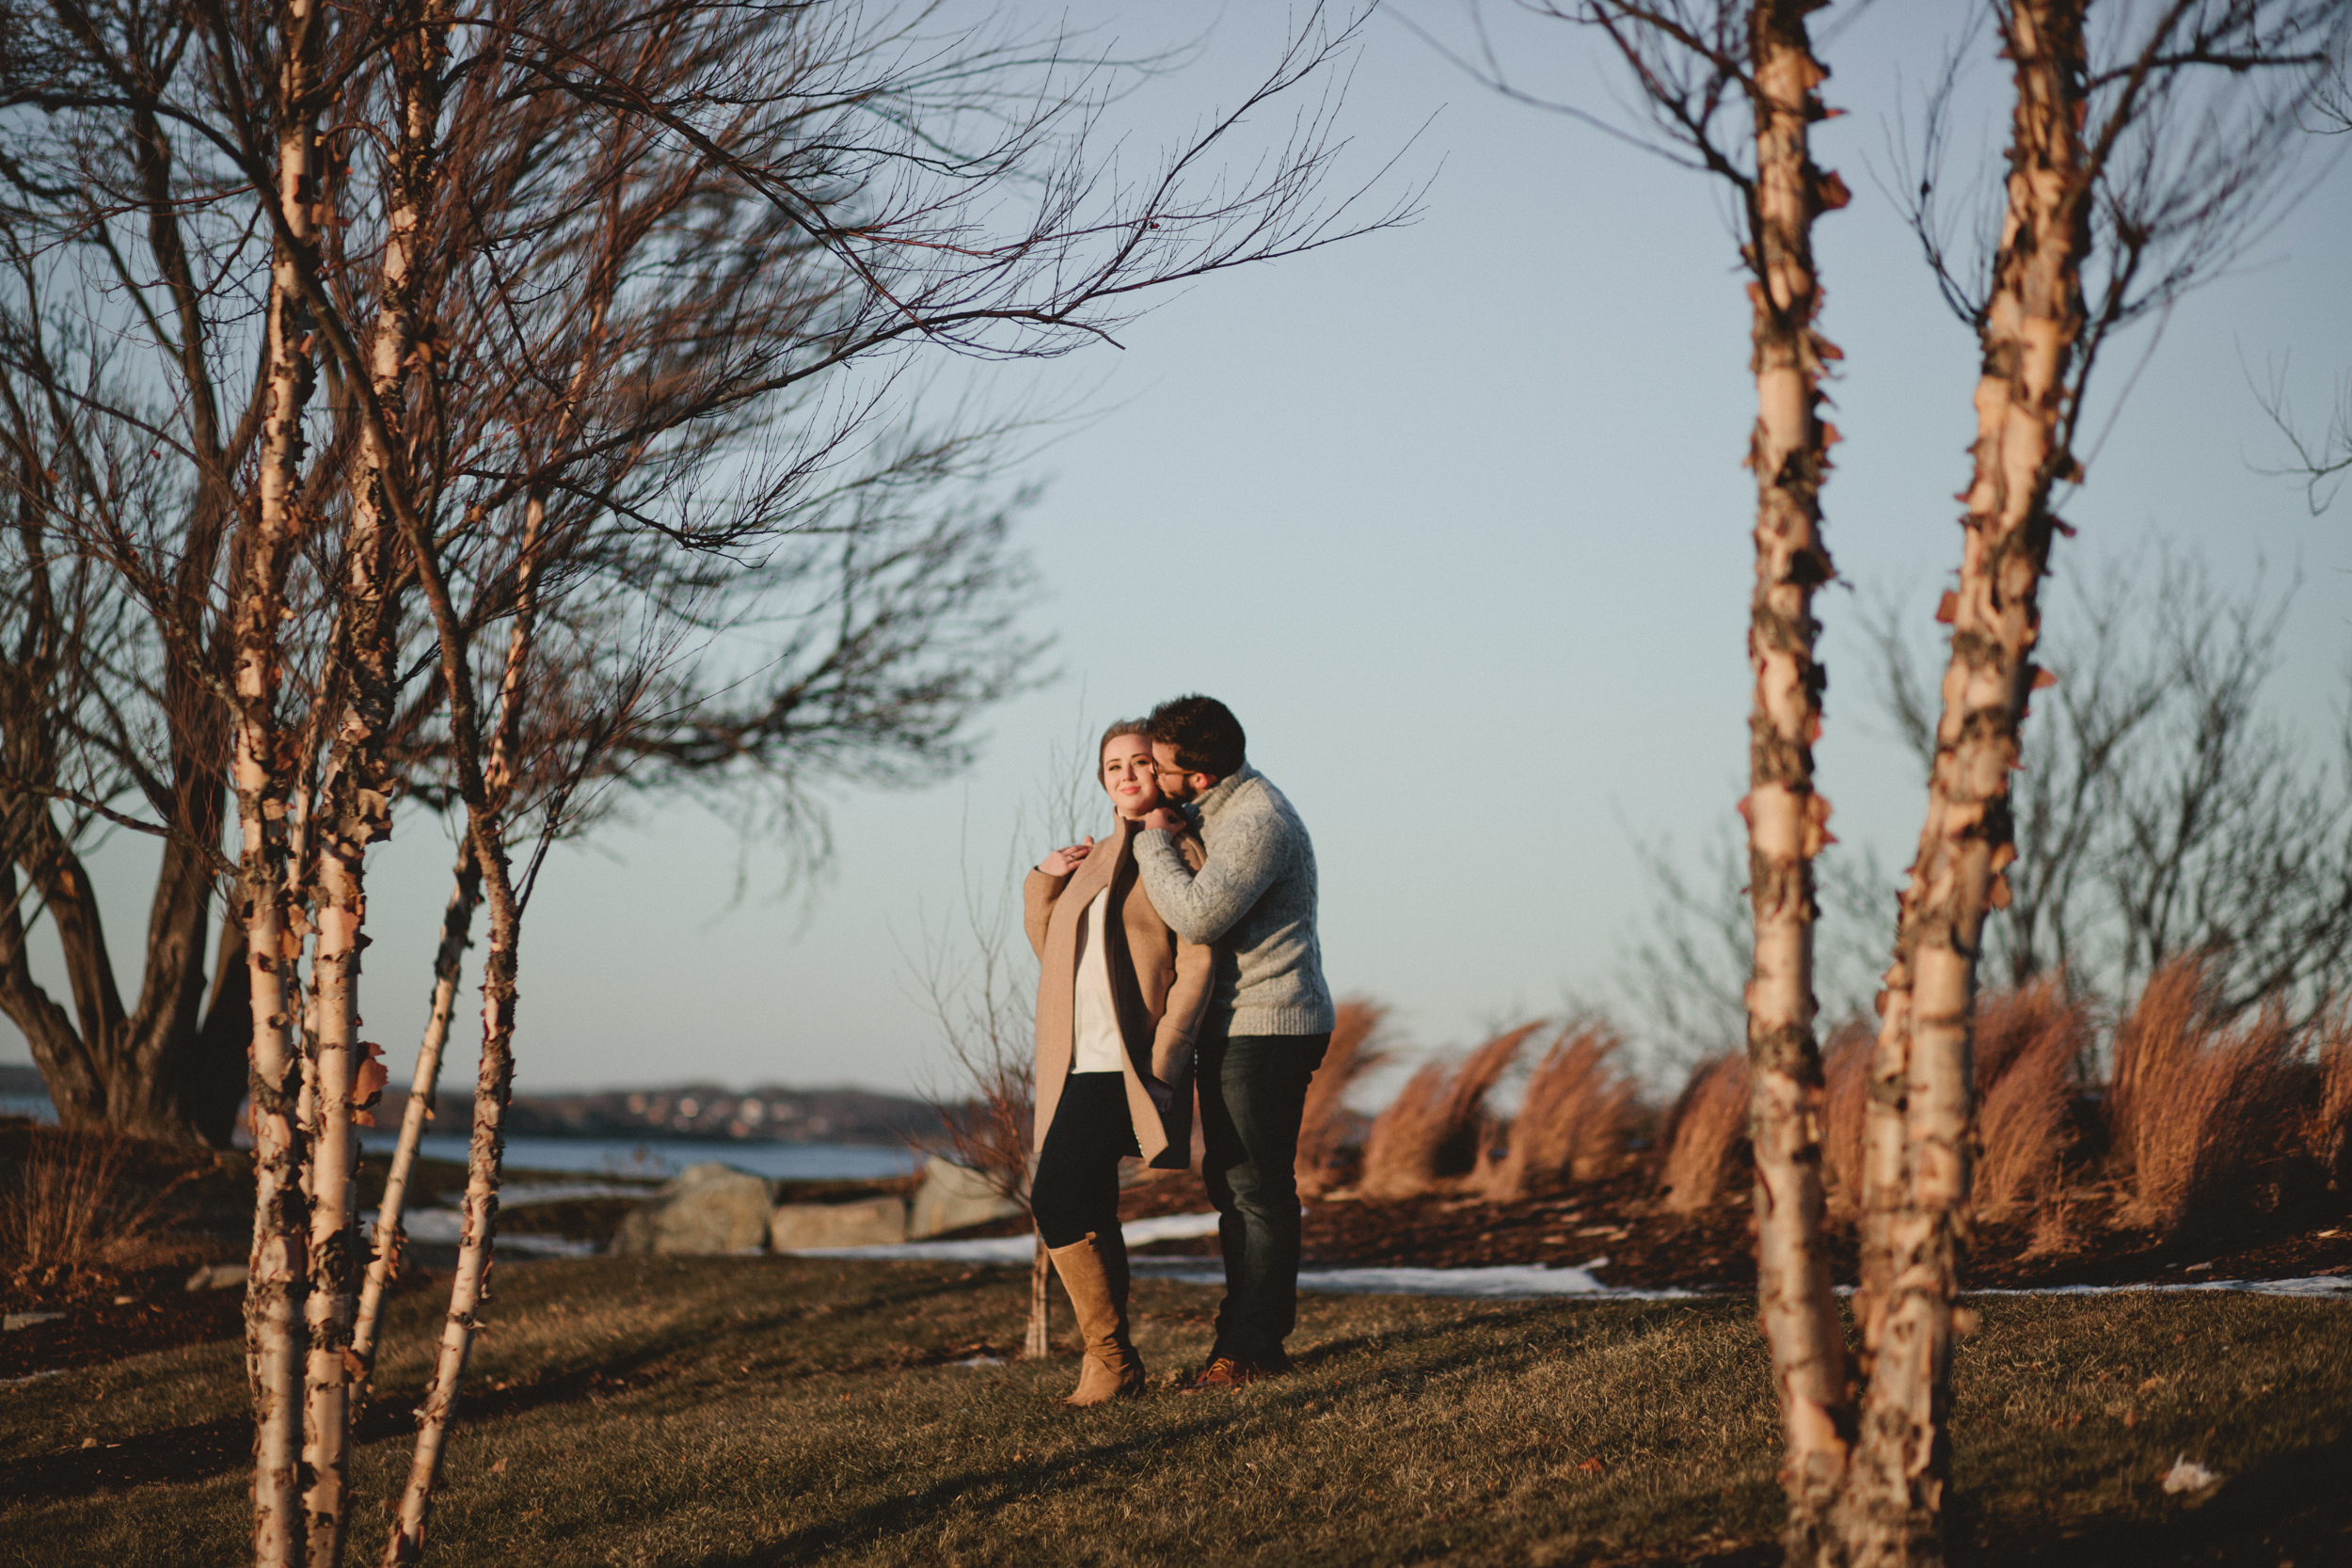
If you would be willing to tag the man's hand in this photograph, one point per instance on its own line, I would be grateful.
(1166, 820)
(1161, 1096)
(1061, 863)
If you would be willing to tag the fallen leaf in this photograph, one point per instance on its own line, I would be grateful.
(1592, 1465)
(499, 1468)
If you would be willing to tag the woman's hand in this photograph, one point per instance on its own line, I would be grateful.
(1161, 1096)
(1061, 863)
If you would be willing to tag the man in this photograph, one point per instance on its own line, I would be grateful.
(1269, 1017)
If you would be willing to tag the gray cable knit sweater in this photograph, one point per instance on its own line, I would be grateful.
(1254, 898)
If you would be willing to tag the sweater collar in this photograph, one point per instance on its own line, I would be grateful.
(1213, 801)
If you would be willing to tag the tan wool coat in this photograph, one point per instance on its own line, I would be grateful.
(1160, 985)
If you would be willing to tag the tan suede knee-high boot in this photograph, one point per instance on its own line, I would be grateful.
(1097, 1282)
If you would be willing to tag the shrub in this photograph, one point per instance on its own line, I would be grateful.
(1574, 1120)
(1432, 1129)
(78, 1208)
(2194, 1107)
(1356, 1048)
(1706, 1135)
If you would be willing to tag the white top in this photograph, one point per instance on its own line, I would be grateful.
(1097, 1045)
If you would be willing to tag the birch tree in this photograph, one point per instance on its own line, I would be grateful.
(1731, 90)
(636, 247)
(2142, 154)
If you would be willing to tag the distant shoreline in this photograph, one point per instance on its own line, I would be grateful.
(702, 1114)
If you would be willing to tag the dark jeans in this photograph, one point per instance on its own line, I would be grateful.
(1252, 1089)
(1075, 1188)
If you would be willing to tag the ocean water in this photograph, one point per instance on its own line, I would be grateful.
(666, 1157)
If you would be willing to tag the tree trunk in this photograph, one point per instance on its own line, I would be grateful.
(280, 1264)
(2031, 327)
(423, 1085)
(1786, 818)
(484, 1159)
(1036, 1339)
(485, 776)
(356, 808)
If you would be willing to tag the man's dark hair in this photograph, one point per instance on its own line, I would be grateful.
(1206, 736)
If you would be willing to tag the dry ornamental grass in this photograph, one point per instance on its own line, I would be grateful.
(2195, 1107)
(1706, 1135)
(1433, 1130)
(1323, 1127)
(1574, 1120)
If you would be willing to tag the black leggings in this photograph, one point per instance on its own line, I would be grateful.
(1076, 1187)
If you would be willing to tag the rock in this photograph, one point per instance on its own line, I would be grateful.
(953, 1196)
(217, 1276)
(703, 1208)
(874, 1222)
(26, 1320)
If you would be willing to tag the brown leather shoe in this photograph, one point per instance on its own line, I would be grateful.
(1226, 1372)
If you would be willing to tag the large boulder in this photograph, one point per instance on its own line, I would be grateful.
(871, 1222)
(952, 1196)
(703, 1208)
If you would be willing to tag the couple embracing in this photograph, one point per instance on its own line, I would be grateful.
(1178, 950)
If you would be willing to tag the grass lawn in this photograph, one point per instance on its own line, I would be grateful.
(766, 1410)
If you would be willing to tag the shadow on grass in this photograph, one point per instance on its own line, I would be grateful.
(2289, 1508)
(198, 1452)
(912, 1514)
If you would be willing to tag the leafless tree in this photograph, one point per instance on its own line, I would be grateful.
(2163, 809)
(977, 979)
(1729, 89)
(570, 322)
(2147, 148)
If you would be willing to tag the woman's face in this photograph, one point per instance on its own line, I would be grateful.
(1127, 774)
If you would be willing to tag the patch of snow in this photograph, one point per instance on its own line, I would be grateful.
(2324, 1287)
(1168, 1227)
(31, 1377)
(447, 1227)
(1020, 1249)
(988, 1249)
(2187, 1475)
(1510, 1282)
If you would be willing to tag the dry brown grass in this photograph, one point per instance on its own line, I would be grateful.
(2331, 1118)
(1574, 1122)
(1705, 1134)
(1357, 1047)
(2195, 1107)
(1844, 1104)
(78, 1207)
(2031, 1044)
(1432, 1129)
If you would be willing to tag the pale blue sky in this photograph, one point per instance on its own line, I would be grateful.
(1454, 519)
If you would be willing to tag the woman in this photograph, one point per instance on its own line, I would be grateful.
(1118, 999)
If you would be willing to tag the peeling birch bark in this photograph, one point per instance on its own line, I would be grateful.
(356, 812)
(279, 1282)
(1891, 1512)
(484, 1158)
(1787, 817)
(486, 777)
